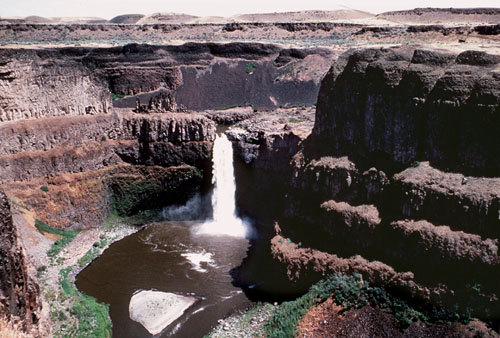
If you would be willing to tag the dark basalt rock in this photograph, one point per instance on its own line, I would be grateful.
(18, 292)
(488, 30)
(390, 107)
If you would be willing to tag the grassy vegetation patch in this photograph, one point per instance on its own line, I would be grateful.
(93, 318)
(66, 237)
(19, 204)
(352, 292)
(91, 254)
(115, 96)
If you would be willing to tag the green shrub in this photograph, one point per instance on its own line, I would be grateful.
(65, 284)
(44, 188)
(89, 256)
(352, 292)
(250, 67)
(93, 317)
(61, 243)
(128, 192)
(41, 270)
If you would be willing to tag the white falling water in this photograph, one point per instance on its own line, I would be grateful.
(225, 221)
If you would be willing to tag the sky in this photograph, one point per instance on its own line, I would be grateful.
(110, 8)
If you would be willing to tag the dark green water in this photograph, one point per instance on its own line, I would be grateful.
(169, 257)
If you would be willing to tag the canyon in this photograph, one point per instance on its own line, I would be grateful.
(360, 148)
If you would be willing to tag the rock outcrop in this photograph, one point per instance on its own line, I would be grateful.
(390, 107)
(18, 292)
(37, 83)
(401, 168)
(54, 146)
(121, 160)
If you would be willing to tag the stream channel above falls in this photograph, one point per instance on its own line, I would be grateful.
(191, 258)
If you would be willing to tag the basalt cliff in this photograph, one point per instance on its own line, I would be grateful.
(18, 291)
(397, 179)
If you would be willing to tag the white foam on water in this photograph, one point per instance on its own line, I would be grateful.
(176, 328)
(225, 221)
(199, 310)
(197, 258)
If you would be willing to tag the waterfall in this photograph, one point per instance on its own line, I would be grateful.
(225, 221)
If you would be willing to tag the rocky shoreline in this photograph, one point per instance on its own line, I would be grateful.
(247, 322)
(57, 317)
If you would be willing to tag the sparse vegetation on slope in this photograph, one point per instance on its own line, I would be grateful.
(244, 323)
(66, 237)
(93, 318)
(352, 292)
(73, 313)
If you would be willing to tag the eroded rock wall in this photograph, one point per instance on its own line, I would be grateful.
(394, 169)
(390, 107)
(401, 170)
(37, 83)
(79, 160)
(18, 292)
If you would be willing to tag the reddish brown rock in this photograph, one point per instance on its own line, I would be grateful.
(299, 259)
(447, 244)
(84, 200)
(471, 204)
(352, 216)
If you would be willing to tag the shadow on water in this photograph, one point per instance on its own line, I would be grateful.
(261, 198)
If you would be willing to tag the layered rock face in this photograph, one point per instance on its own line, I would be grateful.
(77, 81)
(74, 149)
(96, 153)
(35, 84)
(48, 147)
(399, 178)
(392, 107)
(18, 292)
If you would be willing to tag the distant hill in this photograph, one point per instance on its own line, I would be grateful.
(417, 16)
(37, 19)
(127, 18)
(166, 18)
(34, 19)
(304, 16)
(443, 15)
